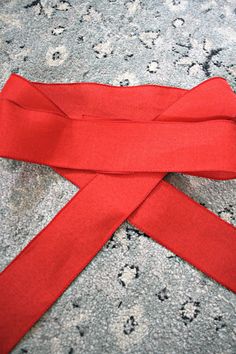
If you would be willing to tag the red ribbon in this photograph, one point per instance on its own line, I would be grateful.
(116, 144)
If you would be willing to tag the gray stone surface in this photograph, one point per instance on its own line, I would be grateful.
(135, 296)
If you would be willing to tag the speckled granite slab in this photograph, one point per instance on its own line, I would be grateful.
(135, 296)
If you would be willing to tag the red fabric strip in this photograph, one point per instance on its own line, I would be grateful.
(117, 144)
(50, 262)
(210, 245)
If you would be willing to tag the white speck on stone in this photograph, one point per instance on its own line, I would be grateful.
(195, 69)
(189, 310)
(58, 30)
(226, 216)
(148, 38)
(133, 6)
(63, 5)
(103, 49)
(207, 45)
(48, 10)
(128, 275)
(92, 15)
(57, 55)
(178, 22)
(153, 66)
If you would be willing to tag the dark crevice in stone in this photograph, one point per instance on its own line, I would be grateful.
(163, 294)
(75, 304)
(56, 55)
(207, 62)
(128, 56)
(133, 232)
(130, 325)
(35, 3)
(80, 39)
(218, 323)
(81, 331)
(112, 243)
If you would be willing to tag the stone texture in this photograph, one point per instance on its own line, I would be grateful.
(135, 296)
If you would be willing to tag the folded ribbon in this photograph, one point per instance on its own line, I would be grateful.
(116, 144)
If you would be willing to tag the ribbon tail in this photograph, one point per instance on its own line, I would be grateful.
(191, 231)
(33, 281)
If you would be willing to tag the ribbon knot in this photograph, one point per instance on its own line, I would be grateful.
(117, 144)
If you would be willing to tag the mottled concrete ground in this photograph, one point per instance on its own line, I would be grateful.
(135, 296)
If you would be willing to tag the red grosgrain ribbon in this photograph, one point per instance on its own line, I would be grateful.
(116, 144)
